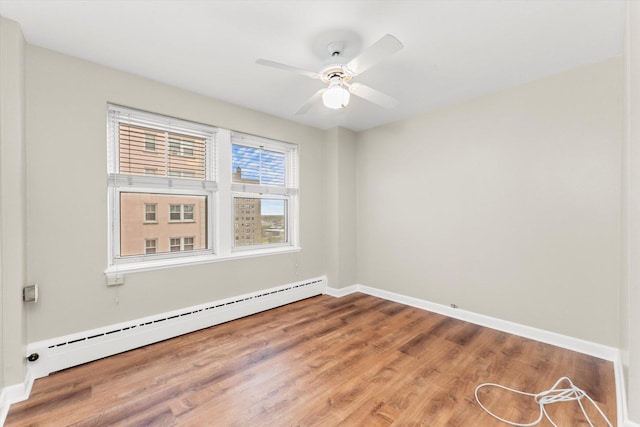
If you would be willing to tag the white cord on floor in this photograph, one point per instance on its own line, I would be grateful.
(547, 397)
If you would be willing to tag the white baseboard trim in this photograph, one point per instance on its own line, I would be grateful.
(576, 344)
(15, 393)
(341, 292)
(553, 338)
(71, 350)
(63, 352)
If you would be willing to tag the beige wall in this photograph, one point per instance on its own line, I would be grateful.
(66, 112)
(13, 323)
(340, 208)
(507, 205)
(630, 307)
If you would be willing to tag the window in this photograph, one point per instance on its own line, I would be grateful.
(149, 142)
(264, 192)
(187, 213)
(174, 244)
(181, 213)
(140, 181)
(150, 212)
(177, 244)
(187, 243)
(175, 212)
(166, 169)
(186, 148)
(180, 146)
(150, 246)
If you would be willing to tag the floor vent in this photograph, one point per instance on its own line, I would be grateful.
(71, 350)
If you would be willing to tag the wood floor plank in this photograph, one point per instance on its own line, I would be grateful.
(324, 361)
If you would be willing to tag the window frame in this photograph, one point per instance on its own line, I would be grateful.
(217, 188)
(288, 192)
(182, 213)
(162, 257)
(155, 214)
(120, 183)
(147, 246)
(182, 243)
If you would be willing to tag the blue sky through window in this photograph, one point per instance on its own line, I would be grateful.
(272, 207)
(262, 166)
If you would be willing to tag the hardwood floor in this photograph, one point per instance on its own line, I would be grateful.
(355, 361)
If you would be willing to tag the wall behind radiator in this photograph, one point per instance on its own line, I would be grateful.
(67, 199)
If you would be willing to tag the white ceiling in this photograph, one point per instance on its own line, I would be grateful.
(453, 50)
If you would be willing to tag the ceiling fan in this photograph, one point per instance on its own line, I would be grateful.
(338, 75)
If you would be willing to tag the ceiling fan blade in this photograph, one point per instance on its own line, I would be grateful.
(372, 95)
(311, 102)
(375, 53)
(297, 70)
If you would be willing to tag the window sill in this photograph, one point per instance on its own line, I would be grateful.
(121, 269)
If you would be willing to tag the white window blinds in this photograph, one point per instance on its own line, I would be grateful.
(263, 166)
(151, 149)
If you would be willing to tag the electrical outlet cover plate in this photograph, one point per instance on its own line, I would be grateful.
(30, 293)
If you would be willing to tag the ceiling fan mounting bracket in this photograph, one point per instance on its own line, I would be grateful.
(336, 70)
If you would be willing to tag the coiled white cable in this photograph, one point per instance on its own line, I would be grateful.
(554, 395)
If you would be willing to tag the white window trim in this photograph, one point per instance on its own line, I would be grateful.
(183, 244)
(220, 195)
(155, 245)
(182, 219)
(193, 259)
(289, 192)
(144, 213)
(181, 241)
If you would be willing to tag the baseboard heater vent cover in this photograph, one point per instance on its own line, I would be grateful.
(75, 349)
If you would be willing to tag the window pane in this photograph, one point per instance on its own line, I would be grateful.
(150, 246)
(174, 244)
(174, 146)
(188, 212)
(273, 168)
(259, 221)
(149, 142)
(187, 148)
(174, 213)
(133, 230)
(188, 243)
(258, 166)
(144, 149)
(150, 212)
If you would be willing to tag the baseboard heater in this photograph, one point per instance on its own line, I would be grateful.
(64, 352)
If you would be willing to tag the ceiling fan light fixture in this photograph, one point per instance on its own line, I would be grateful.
(336, 96)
